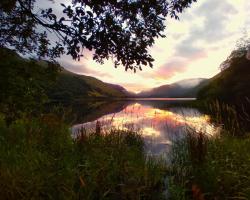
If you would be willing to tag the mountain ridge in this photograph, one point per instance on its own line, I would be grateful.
(67, 87)
(180, 89)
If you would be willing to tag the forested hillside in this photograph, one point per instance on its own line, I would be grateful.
(232, 85)
(66, 85)
(74, 87)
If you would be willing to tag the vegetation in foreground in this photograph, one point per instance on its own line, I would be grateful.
(214, 168)
(40, 160)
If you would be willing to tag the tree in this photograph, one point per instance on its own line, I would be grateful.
(119, 29)
(241, 49)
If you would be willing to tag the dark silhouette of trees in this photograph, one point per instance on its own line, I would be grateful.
(118, 29)
(242, 48)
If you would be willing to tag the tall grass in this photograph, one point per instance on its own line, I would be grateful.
(40, 160)
(223, 172)
(233, 118)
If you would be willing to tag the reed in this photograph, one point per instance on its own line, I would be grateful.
(233, 118)
(214, 168)
(40, 160)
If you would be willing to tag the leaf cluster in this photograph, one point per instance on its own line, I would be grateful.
(121, 30)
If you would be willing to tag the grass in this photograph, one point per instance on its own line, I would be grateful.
(213, 168)
(40, 160)
(222, 173)
(234, 119)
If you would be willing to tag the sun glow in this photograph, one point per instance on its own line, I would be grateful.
(195, 46)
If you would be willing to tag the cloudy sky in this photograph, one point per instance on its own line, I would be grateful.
(194, 47)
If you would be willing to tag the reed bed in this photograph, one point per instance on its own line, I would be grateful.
(210, 168)
(40, 160)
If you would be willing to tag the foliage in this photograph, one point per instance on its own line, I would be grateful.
(117, 164)
(122, 30)
(222, 174)
(23, 84)
(40, 160)
(35, 161)
(231, 86)
(241, 49)
(225, 115)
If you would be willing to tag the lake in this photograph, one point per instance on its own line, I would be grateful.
(160, 121)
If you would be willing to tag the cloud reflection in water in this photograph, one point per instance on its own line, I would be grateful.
(159, 127)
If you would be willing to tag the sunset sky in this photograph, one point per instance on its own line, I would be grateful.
(194, 47)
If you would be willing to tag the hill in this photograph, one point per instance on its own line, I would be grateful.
(70, 86)
(67, 86)
(182, 89)
(122, 89)
(231, 85)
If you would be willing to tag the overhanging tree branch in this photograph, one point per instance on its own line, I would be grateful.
(123, 30)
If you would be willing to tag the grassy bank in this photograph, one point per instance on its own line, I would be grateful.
(233, 118)
(215, 168)
(40, 160)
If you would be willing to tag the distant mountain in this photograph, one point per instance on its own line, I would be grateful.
(122, 89)
(181, 89)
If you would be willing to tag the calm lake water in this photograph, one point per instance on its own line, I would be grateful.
(160, 121)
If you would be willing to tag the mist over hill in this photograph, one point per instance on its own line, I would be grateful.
(185, 88)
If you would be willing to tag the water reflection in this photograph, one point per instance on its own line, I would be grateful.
(159, 127)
